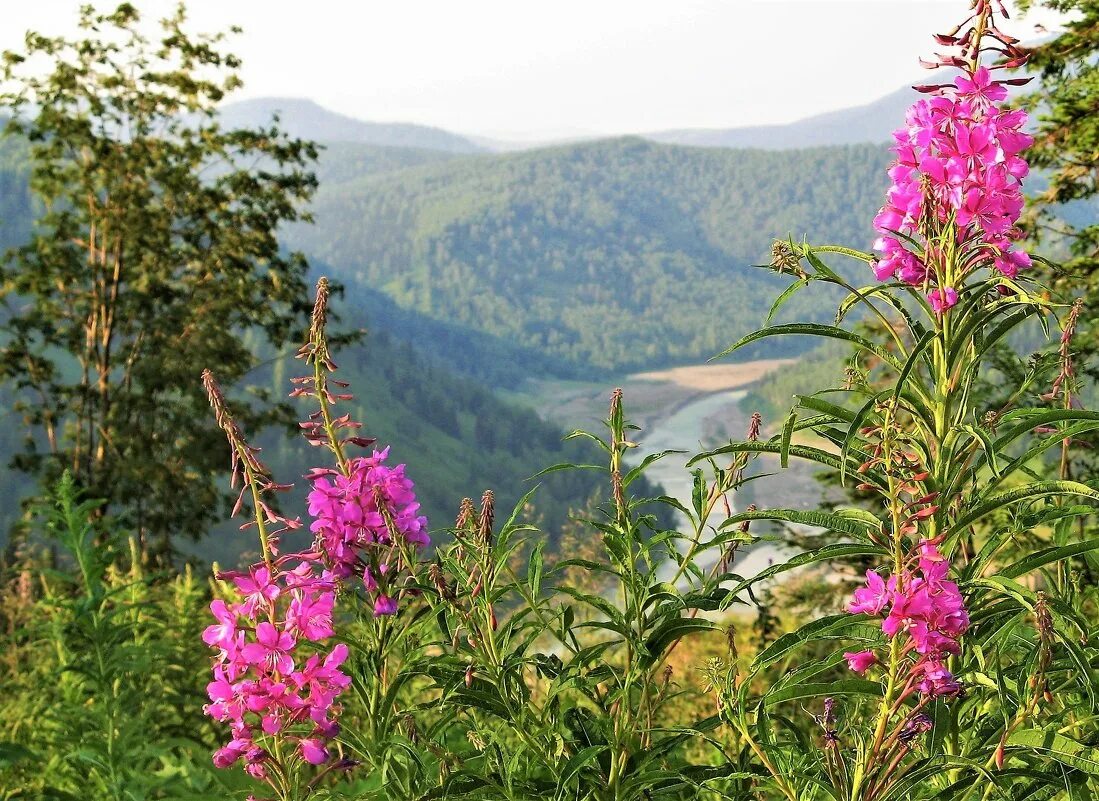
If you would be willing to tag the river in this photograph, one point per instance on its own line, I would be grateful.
(691, 428)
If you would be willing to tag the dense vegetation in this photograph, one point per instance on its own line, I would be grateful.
(617, 254)
(153, 252)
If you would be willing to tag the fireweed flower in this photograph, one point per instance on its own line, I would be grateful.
(264, 686)
(956, 187)
(366, 519)
(923, 607)
(362, 519)
(272, 682)
(861, 661)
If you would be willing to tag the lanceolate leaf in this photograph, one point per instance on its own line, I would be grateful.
(855, 522)
(1064, 749)
(836, 551)
(812, 329)
(1030, 491)
(846, 626)
(1046, 556)
(845, 687)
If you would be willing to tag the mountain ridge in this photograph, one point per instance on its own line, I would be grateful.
(308, 119)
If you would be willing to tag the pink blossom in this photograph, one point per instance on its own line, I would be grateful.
(357, 518)
(1011, 262)
(937, 681)
(224, 757)
(861, 661)
(980, 88)
(310, 614)
(313, 751)
(257, 587)
(942, 298)
(384, 605)
(271, 649)
(223, 634)
(872, 598)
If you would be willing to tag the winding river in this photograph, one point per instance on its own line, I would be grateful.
(690, 428)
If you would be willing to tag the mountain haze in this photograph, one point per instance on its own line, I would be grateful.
(309, 120)
(871, 123)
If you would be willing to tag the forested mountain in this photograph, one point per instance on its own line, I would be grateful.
(615, 254)
(308, 120)
(432, 400)
(345, 161)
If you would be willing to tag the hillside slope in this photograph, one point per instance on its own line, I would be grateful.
(617, 254)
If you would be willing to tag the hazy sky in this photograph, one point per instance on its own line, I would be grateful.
(531, 68)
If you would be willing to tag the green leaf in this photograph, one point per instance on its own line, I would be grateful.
(1036, 490)
(806, 452)
(648, 460)
(811, 329)
(1063, 749)
(675, 629)
(853, 431)
(13, 753)
(1046, 556)
(817, 404)
(534, 568)
(844, 687)
(830, 627)
(784, 445)
(786, 294)
(856, 522)
(913, 359)
(577, 762)
(834, 551)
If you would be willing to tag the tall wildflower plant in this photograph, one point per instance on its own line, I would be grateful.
(970, 670)
(278, 674)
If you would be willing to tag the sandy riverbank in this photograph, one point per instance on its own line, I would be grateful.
(650, 397)
(715, 377)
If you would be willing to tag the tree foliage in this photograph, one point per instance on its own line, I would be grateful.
(155, 251)
(1065, 98)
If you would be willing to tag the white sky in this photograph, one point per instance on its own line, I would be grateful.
(544, 68)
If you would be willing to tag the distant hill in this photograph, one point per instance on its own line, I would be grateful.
(615, 254)
(307, 119)
(346, 161)
(871, 123)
